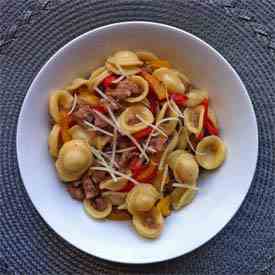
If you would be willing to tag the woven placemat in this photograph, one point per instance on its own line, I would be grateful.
(31, 31)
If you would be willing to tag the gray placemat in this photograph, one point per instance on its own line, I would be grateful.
(31, 31)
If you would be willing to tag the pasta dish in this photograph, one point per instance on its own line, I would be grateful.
(130, 140)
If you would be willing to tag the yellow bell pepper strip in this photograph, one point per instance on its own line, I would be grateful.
(157, 87)
(65, 125)
(119, 215)
(164, 206)
(159, 63)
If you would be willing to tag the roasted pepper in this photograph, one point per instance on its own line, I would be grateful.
(142, 133)
(148, 173)
(158, 88)
(119, 215)
(65, 124)
(179, 99)
(164, 206)
(108, 81)
(158, 63)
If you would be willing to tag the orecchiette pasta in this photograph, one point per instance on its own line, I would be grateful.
(193, 119)
(171, 79)
(130, 123)
(129, 141)
(73, 160)
(58, 100)
(210, 152)
(53, 140)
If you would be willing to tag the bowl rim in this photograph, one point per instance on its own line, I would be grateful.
(83, 36)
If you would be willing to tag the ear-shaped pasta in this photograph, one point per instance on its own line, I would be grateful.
(98, 210)
(97, 77)
(124, 63)
(129, 70)
(173, 157)
(169, 126)
(212, 116)
(57, 100)
(180, 197)
(183, 77)
(184, 166)
(112, 185)
(73, 160)
(128, 121)
(78, 132)
(183, 136)
(193, 119)
(171, 79)
(89, 98)
(125, 58)
(77, 83)
(210, 152)
(116, 198)
(144, 88)
(141, 198)
(146, 56)
(195, 97)
(149, 224)
(53, 140)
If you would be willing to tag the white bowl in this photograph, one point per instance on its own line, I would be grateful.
(221, 192)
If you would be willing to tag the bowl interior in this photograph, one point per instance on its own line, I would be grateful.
(221, 192)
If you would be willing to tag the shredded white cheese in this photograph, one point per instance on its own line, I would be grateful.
(101, 93)
(175, 108)
(115, 122)
(184, 185)
(116, 173)
(73, 105)
(97, 128)
(118, 79)
(114, 146)
(151, 125)
(109, 158)
(123, 150)
(110, 170)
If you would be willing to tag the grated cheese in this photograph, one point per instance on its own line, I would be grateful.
(151, 125)
(124, 150)
(184, 185)
(104, 163)
(109, 158)
(128, 135)
(116, 173)
(114, 146)
(97, 128)
(118, 79)
(74, 104)
(175, 109)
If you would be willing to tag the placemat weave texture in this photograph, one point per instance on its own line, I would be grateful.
(32, 31)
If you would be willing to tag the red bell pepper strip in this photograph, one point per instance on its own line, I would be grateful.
(128, 187)
(100, 109)
(136, 166)
(205, 117)
(142, 133)
(179, 99)
(153, 100)
(200, 136)
(148, 173)
(211, 129)
(107, 81)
